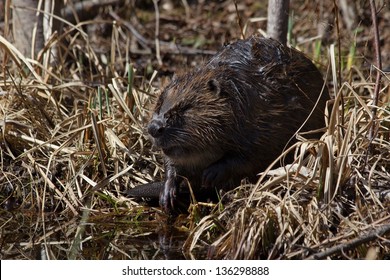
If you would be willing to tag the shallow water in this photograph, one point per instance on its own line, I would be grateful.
(26, 235)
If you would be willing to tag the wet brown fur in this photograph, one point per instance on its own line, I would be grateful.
(230, 118)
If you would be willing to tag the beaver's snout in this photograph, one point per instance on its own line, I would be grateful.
(156, 128)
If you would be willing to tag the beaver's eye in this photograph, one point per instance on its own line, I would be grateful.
(214, 86)
(185, 107)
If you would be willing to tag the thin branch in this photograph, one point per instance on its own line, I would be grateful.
(338, 82)
(378, 62)
(239, 22)
(370, 236)
(157, 31)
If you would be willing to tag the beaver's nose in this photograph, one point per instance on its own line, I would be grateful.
(156, 128)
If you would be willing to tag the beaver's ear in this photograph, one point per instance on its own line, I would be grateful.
(214, 86)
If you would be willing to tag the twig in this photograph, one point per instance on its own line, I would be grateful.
(378, 62)
(156, 32)
(239, 20)
(100, 145)
(338, 82)
(370, 236)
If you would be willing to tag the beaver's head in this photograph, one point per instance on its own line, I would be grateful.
(192, 118)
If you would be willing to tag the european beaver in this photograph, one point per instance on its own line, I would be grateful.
(230, 118)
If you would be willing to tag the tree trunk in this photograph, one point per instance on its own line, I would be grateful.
(32, 27)
(278, 20)
(27, 27)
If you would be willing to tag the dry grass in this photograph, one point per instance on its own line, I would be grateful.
(72, 140)
(69, 136)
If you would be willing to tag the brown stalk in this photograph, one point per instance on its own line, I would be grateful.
(378, 66)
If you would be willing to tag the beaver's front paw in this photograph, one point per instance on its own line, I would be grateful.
(168, 195)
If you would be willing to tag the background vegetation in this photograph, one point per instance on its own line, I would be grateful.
(73, 138)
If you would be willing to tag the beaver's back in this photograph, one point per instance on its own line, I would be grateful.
(276, 89)
(276, 77)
